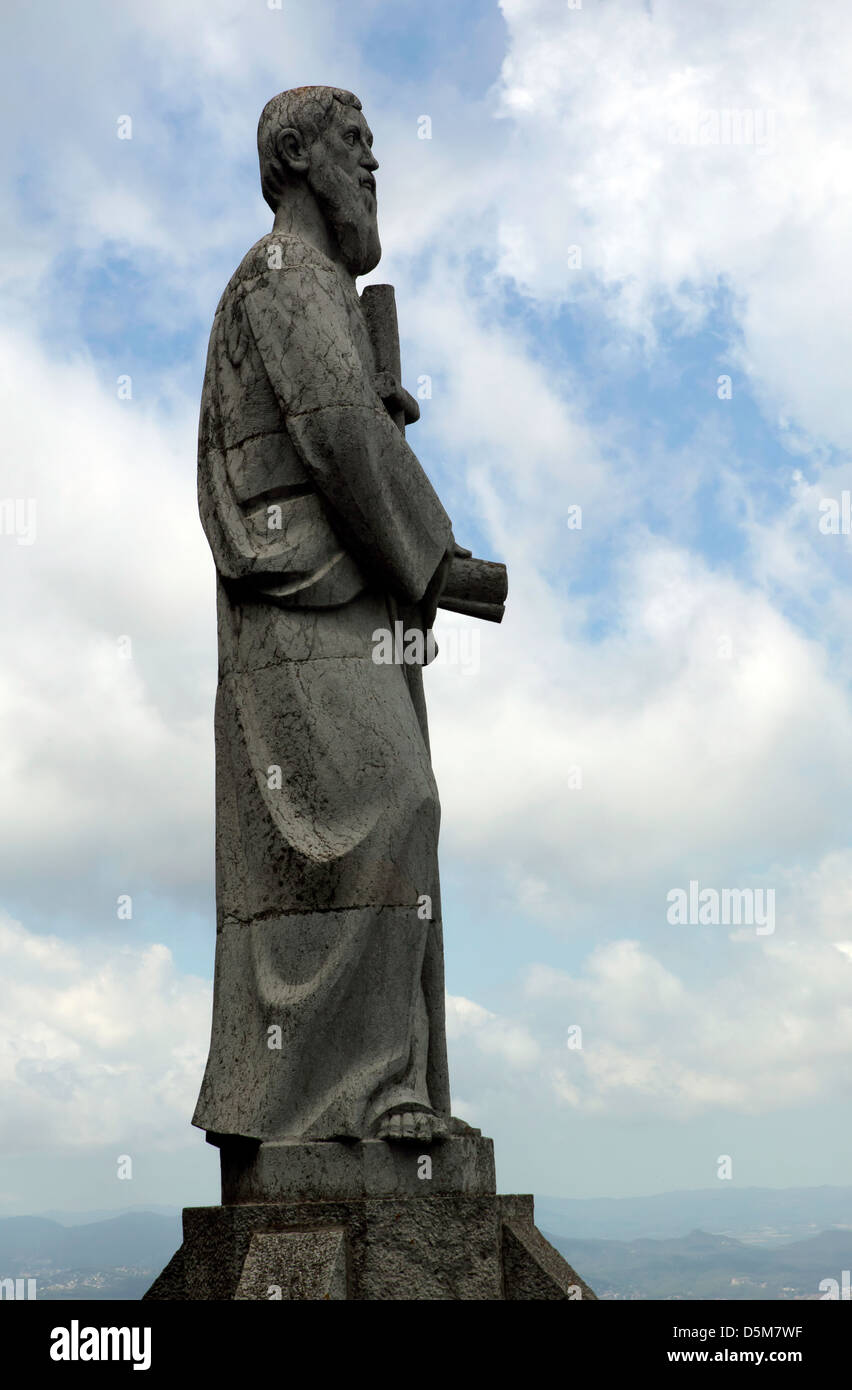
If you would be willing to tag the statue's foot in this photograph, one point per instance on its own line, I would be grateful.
(417, 1125)
(411, 1126)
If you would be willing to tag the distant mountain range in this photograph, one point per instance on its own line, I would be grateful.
(702, 1266)
(117, 1258)
(761, 1215)
(720, 1243)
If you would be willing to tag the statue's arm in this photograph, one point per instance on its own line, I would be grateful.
(385, 507)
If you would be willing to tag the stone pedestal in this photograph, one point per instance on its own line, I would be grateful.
(371, 1220)
(295, 1171)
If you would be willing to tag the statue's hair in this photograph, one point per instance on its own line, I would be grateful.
(308, 110)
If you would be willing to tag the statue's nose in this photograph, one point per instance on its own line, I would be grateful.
(370, 162)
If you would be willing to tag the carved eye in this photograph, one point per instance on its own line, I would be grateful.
(351, 137)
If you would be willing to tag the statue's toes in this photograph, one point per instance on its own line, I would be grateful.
(412, 1126)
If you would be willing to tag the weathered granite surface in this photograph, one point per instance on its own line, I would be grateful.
(294, 1265)
(411, 1248)
(284, 1171)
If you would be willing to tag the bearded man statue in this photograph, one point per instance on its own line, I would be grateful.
(328, 1014)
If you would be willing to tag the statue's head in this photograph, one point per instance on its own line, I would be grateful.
(317, 136)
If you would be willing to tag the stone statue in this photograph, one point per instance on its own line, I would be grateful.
(344, 1174)
(328, 1016)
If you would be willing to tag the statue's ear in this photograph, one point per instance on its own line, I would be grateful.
(292, 151)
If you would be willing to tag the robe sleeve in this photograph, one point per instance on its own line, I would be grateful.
(386, 510)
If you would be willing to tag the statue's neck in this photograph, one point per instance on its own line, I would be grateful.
(301, 216)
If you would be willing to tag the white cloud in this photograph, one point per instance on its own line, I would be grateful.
(507, 1042)
(772, 1033)
(590, 95)
(101, 1044)
(710, 735)
(106, 760)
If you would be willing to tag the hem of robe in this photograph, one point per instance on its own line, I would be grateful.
(241, 1098)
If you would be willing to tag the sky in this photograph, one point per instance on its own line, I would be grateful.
(617, 232)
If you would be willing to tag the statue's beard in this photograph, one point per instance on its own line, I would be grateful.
(351, 213)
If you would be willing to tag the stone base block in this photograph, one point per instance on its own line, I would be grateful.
(289, 1171)
(306, 1265)
(441, 1246)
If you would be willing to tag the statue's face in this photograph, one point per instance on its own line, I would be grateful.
(341, 175)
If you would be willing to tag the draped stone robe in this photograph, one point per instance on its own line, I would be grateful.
(328, 1000)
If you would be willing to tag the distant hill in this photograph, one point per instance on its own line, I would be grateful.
(700, 1265)
(117, 1258)
(83, 1218)
(763, 1215)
